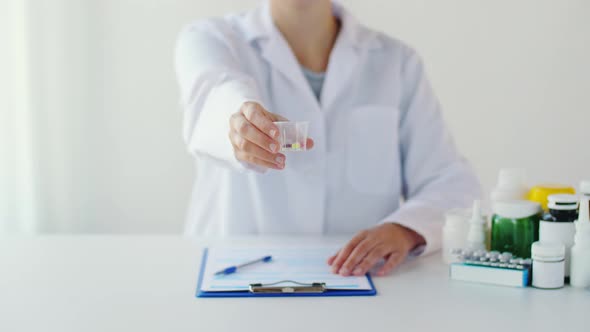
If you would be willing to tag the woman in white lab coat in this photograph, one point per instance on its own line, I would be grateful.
(378, 136)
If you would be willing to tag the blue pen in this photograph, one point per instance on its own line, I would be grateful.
(232, 269)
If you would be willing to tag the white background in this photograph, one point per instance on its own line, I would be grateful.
(90, 105)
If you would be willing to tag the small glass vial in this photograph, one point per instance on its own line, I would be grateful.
(548, 265)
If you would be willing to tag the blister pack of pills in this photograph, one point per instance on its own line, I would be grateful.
(490, 267)
(491, 258)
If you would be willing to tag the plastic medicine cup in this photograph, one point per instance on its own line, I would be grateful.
(292, 135)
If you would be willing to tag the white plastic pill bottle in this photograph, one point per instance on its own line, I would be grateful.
(548, 265)
(557, 225)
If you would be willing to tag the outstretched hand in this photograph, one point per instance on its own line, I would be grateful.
(254, 136)
(391, 242)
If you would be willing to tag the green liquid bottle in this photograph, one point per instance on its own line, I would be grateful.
(515, 226)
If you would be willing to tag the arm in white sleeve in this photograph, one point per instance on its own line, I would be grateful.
(435, 177)
(213, 86)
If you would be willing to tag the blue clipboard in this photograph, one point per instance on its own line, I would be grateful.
(247, 293)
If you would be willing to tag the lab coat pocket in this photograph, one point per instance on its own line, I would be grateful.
(373, 152)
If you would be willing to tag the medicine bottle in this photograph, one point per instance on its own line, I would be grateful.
(580, 256)
(557, 225)
(585, 188)
(548, 265)
(455, 232)
(515, 226)
(476, 237)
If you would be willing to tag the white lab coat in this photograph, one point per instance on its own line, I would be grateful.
(379, 134)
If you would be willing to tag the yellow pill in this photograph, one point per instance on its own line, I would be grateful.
(296, 146)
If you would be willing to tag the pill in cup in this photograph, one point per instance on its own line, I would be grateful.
(292, 135)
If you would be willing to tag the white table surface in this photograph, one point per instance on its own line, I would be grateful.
(147, 283)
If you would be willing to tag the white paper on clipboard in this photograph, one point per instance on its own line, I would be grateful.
(303, 265)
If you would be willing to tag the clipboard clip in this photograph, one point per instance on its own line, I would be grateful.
(297, 287)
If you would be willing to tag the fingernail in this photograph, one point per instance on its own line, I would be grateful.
(357, 271)
(344, 271)
(279, 160)
(273, 147)
(281, 166)
(273, 133)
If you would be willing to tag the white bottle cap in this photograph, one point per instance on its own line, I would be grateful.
(516, 209)
(563, 202)
(585, 187)
(511, 178)
(548, 251)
